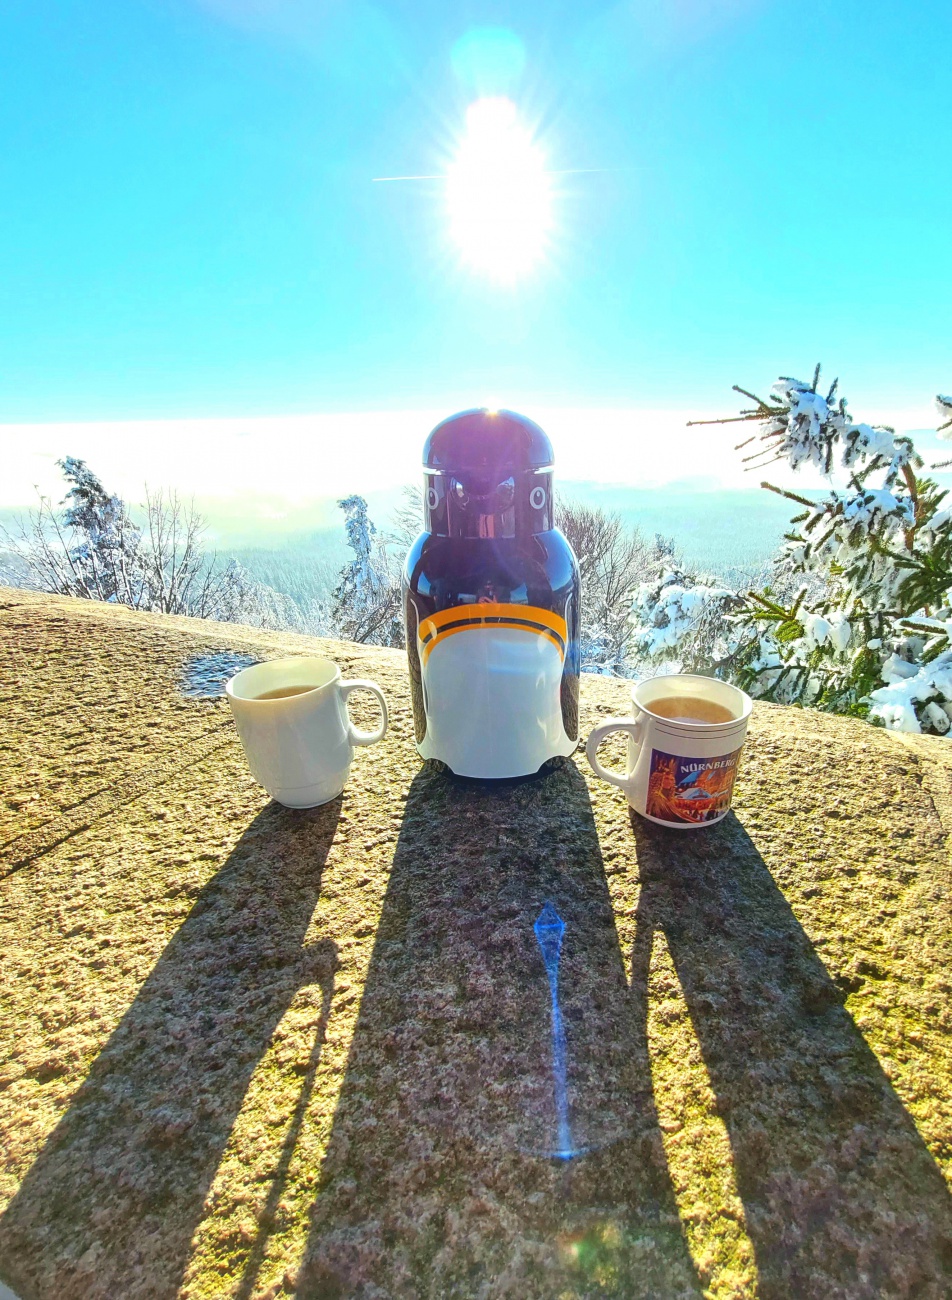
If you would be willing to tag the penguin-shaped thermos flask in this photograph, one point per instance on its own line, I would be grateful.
(491, 601)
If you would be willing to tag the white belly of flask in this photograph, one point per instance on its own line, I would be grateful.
(493, 702)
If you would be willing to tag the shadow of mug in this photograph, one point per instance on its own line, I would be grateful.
(841, 1195)
(111, 1203)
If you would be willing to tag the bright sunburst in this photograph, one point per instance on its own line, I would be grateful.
(499, 193)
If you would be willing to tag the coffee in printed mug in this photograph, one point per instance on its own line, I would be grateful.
(684, 742)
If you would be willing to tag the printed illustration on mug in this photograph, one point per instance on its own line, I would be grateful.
(690, 789)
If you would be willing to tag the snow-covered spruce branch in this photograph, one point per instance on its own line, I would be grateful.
(944, 407)
(686, 621)
(868, 631)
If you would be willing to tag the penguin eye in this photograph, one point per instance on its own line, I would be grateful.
(537, 498)
(432, 498)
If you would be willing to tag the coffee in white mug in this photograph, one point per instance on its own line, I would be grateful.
(283, 692)
(293, 722)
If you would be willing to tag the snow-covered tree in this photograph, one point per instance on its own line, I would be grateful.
(238, 597)
(406, 524)
(367, 603)
(93, 549)
(868, 631)
(90, 549)
(944, 407)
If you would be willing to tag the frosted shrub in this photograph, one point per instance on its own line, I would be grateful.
(867, 629)
(91, 548)
(613, 558)
(681, 620)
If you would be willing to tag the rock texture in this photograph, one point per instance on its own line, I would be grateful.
(251, 1052)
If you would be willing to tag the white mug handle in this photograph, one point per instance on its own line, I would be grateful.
(634, 727)
(356, 736)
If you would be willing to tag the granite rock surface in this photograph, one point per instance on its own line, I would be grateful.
(250, 1052)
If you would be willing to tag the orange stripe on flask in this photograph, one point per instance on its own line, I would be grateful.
(483, 611)
(477, 626)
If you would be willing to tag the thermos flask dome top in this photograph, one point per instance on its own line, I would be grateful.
(486, 441)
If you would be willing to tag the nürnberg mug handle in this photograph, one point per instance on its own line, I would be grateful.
(634, 727)
(356, 736)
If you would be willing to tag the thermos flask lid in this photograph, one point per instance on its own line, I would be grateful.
(481, 441)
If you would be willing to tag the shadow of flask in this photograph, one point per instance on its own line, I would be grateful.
(439, 1176)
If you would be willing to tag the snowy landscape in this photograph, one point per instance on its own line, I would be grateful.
(845, 603)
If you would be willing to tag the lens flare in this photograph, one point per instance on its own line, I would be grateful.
(499, 194)
(549, 929)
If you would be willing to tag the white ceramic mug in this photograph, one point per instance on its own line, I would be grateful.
(300, 747)
(679, 773)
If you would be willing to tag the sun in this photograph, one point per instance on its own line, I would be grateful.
(498, 191)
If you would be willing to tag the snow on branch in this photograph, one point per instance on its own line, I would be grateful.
(869, 630)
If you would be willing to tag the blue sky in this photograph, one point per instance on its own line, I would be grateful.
(191, 226)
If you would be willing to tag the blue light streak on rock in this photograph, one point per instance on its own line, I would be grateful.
(549, 929)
